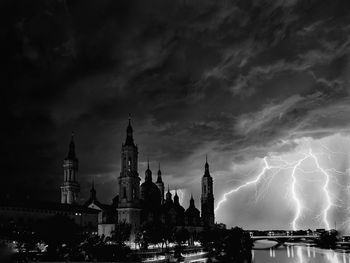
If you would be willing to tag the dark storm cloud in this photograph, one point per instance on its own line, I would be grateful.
(223, 77)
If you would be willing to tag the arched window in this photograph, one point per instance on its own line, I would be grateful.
(124, 192)
(129, 164)
(133, 193)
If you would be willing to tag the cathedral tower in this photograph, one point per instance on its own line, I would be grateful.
(207, 198)
(128, 186)
(160, 185)
(70, 187)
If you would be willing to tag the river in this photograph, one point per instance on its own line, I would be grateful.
(299, 254)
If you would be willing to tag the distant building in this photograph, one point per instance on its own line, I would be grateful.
(29, 212)
(107, 216)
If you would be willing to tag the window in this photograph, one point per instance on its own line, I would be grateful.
(124, 192)
(133, 193)
(129, 164)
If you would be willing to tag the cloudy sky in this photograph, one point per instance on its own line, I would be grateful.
(237, 80)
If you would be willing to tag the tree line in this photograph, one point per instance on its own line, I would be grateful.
(63, 240)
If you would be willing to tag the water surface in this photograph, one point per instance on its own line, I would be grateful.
(300, 254)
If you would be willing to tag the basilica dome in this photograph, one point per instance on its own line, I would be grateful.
(192, 214)
(150, 193)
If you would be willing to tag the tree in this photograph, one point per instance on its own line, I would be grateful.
(328, 239)
(232, 245)
(212, 239)
(167, 234)
(101, 249)
(181, 235)
(121, 232)
(5, 253)
(57, 231)
(237, 245)
(150, 234)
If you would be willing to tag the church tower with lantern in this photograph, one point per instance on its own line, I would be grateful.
(128, 183)
(207, 198)
(70, 187)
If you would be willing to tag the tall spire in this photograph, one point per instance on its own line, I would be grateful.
(176, 198)
(206, 167)
(70, 187)
(148, 173)
(71, 153)
(129, 137)
(93, 191)
(160, 184)
(207, 197)
(159, 178)
(192, 201)
(93, 196)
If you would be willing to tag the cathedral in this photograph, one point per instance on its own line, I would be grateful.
(139, 203)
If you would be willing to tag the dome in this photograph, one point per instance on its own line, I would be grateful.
(192, 211)
(177, 206)
(150, 194)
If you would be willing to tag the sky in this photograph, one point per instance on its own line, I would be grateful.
(244, 82)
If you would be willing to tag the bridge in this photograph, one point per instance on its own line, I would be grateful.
(285, 237)
(281, 239)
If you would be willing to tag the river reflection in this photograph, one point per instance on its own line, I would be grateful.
(299, 254)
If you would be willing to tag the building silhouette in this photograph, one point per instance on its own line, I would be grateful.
(128, 182)
(138, 204)
(135, 203)
(207, 198)
(70, 187)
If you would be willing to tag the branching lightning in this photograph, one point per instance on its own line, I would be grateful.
(256, 180)
(294, 194)
(294, 166)
(325, 189)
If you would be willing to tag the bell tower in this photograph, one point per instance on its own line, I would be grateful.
(128, 183)
(207, 198)
(70, 187)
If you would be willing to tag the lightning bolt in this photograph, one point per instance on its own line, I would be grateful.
(294, 193)
(294, 166)
(256, 180)
(325, 189)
